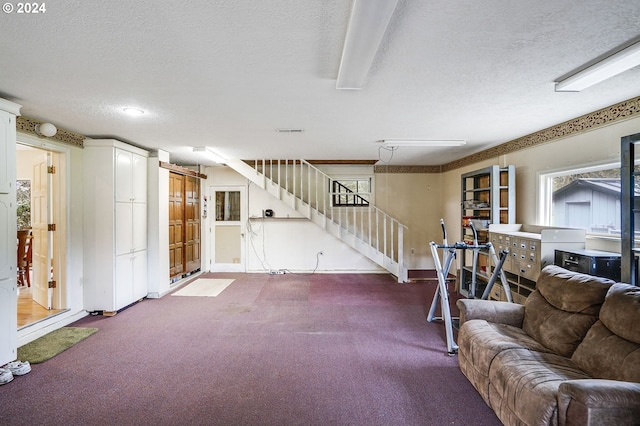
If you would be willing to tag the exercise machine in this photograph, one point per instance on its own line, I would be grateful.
(442, 270)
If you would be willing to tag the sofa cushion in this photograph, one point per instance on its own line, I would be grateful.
(611, 348)
(621, 311)
(524, 385)
(480, 341)
(563, 308)
(573, 291)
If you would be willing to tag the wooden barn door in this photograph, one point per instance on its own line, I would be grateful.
(192, 223)
(184, 224)
(176, 225)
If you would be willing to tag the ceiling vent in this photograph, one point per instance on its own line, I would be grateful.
(290, 131)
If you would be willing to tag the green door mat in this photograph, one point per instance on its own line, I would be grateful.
(52, 344)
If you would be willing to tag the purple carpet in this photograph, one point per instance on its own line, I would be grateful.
(323, 349)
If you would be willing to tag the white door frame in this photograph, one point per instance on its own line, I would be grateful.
(227, 267)
(61, 189)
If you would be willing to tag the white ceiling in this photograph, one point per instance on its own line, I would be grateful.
(227, 73)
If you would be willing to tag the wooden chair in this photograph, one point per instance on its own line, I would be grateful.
(24, 257)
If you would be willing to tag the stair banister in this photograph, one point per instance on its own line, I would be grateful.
(313, 199)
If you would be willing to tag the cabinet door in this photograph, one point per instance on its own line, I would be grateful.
(7, 145)
(124, 228)
(139, 277)
(139, 178)
(139, 226)
(7, 242)
(123, 175)
(8, 320)
(123, 285)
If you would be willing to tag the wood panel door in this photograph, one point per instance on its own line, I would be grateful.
(192, 223)
(176, 224)
(184, 224)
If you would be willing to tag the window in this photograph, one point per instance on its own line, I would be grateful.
(228, 206)
(23, 202)
(587, 198)
(351, 192)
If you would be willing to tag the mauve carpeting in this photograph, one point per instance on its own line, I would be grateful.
(323, 349)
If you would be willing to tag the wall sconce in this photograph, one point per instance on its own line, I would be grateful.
(46, 129)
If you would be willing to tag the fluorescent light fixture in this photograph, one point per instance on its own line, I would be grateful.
(367, 25)
(615, 64)
(422, 143)
(207, 153)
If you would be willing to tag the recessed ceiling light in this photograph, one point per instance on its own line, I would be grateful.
(134, 112)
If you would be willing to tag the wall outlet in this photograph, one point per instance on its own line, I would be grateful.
(278, 272)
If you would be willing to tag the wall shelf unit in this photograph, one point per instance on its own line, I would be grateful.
(487, 197)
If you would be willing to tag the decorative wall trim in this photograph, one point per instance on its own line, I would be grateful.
(28, 125)
(406, 169)
(605, 116)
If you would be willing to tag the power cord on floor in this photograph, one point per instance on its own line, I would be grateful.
(320, 253)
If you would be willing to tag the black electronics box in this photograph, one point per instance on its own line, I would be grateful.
(593, 262)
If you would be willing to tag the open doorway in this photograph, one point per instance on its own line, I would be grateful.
(41, 221)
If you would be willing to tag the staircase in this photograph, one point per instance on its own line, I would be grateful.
(308, 190)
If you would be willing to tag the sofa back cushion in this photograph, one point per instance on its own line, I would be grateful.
(611, 349)
(563, 308)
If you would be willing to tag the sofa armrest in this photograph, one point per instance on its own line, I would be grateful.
(598, 402)
(492, 311)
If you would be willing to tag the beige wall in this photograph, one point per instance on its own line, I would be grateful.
(419, 200)
(415, 199)
(599, 146)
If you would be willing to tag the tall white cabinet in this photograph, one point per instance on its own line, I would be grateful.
(115, 225)
(8, 258)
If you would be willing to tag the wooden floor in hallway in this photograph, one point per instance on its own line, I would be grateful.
(29, 311)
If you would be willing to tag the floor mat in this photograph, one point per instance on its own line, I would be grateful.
(207, 287)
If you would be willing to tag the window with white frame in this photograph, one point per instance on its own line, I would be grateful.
(351, 192)
(586, 198)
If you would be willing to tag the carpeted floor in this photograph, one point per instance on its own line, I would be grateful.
(269, 350)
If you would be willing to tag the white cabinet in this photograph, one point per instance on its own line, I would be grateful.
(8, 290)
(115, 234)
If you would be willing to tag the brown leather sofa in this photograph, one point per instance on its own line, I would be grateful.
(569, 356)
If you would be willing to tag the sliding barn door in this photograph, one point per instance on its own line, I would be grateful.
(184, 224)
(176, 225)
(192, 222)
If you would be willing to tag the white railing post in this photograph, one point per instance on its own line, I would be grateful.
(402, 274)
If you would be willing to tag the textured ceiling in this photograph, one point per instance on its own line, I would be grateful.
(227, 73)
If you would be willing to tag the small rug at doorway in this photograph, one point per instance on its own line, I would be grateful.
(207, 287)
(54, 343)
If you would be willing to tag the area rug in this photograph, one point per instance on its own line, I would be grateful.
(207, 287)
(52, 344)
